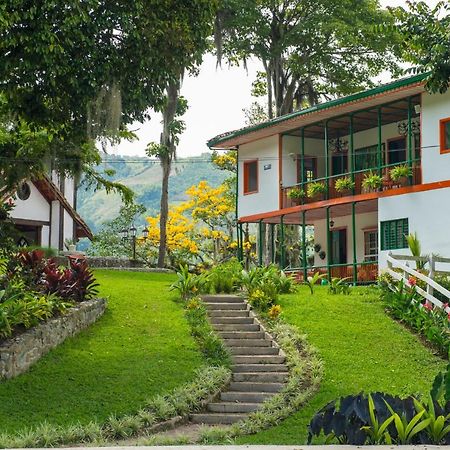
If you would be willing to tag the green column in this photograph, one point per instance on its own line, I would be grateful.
(305, 268)
(238, 236)
(302, 162)
(410, 140)
(352, 151)
(380, 146)
(329, 262)
(282, 250)
(355, 265)
(260, 243)
(241, 238)
(272, 236)
(327, 162)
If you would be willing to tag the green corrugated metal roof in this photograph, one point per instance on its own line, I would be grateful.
(340, 101)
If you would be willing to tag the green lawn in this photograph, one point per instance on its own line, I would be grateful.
(362, 349)
(139, 348)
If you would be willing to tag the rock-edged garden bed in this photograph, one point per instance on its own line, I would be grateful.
(19, 353)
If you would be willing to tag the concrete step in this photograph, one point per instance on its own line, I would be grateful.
(232, 327)
(233, 313)
(261, 377)
(217, 418)
(234, 320)
(233, 407)
(246, 386)
(254, 350)
(225, 306)
(222, 299)
(258, 359)
(262, 368)
(247, 342)
(245, 397)
(241, 334)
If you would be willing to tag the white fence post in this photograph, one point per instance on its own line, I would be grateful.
(432, 265)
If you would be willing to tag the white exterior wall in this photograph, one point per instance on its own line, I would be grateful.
(54, 237)
(35, 208)
(292, 151)
(45, 236)
(364, 222)
(267, 197)
(435, 167)
(428, 215)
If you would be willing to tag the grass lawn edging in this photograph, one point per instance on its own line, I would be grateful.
(19, 353)
(183, 400)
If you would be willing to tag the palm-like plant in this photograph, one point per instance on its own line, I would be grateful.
(415, 249)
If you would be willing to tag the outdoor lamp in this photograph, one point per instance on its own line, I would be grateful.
(133, 231)
(145, 233)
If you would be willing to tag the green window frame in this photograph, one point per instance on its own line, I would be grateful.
(393, 234)
(366, 158)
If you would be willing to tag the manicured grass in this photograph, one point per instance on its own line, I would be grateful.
(140, 347)
(362, 349)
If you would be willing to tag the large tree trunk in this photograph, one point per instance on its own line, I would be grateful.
(166, 157)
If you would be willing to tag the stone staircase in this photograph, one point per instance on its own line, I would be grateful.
(258, 370)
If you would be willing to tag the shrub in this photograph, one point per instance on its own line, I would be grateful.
(188, 284)
(399, 172)
(316, 188)
(406, 305)
(210, 344)
(296, 194)
(344, 184)
(372, 182)
(339, 286)
(274, 312)
(225, 278)
(260, 300)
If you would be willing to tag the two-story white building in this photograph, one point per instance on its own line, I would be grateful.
(45, 213)
(358, 139)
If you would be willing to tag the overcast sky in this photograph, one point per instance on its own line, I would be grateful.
(216, 99)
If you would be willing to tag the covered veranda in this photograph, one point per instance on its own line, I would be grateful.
(284, 237)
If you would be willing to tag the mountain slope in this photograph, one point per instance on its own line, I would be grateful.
(143, 176)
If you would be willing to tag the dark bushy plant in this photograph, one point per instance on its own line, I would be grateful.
(380, 418)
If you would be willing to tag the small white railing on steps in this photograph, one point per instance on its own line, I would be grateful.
(398, 262)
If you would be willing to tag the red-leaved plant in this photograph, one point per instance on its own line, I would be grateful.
(76, 282)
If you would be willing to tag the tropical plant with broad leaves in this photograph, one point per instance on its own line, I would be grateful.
(312, 281)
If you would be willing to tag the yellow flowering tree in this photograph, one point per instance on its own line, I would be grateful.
(213, 208)
(181, 244)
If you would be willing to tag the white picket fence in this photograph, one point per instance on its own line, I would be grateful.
(402, 262)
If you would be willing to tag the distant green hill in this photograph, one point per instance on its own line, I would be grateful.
(144, 177)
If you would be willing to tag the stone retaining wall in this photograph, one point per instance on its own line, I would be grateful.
(18, 354)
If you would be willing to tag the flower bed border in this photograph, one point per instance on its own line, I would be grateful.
(19, 353)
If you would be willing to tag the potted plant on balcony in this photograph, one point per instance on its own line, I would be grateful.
(371, 182)
(316, 190)
(296, 194)
(400, 174)
(344, 185)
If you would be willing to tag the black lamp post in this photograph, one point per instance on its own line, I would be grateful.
(130, 235)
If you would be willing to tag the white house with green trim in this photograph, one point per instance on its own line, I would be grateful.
(363, 142)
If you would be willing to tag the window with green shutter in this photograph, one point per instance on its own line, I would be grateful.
(393, 234)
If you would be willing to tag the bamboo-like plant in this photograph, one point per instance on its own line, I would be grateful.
(372, 182)
(296, 194)
(316, 188)
(400, 173)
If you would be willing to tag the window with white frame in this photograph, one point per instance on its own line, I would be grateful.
(370, 245)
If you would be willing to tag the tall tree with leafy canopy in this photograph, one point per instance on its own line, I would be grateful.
(74, 72)
(309, 50)
(425, 35)
(195, 22)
